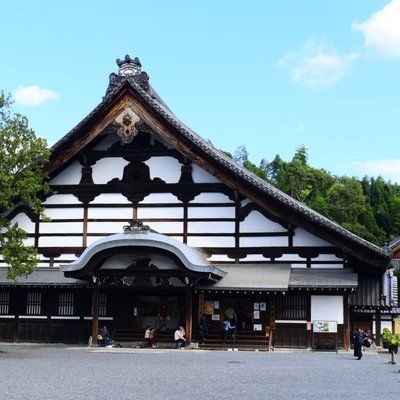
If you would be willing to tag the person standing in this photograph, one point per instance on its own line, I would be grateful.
(357, 343)
(163, 315)
(203, 329)
(228, 329)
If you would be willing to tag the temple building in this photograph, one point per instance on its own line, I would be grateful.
(145, 212)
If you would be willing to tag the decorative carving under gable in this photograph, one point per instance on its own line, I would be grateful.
(86, 196)
(127, 129)
(185, 193)
(137, 172)
(136, 182)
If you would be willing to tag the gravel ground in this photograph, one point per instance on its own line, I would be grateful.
(64, 372)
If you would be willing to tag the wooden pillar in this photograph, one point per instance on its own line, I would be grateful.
(201, 305)
(49, 296)
(346, 323)
(272, 324)
(309, 326)
(378, 327)
(16, 300)
(95, 313)
(189, 314)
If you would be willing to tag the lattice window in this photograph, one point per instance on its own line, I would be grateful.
(103, 304)
(291, 307)
(4, 303)
(33, 303)
(66, 303)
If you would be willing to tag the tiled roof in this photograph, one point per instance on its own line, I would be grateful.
(42, 277)
(319, 278)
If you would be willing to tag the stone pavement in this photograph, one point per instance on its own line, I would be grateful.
(29, 371)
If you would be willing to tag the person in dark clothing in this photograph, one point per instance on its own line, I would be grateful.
(357, 343)
(203, 329)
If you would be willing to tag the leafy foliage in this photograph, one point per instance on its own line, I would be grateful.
(370, 208)
(22, 157)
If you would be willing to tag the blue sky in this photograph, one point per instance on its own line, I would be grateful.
(270, 75)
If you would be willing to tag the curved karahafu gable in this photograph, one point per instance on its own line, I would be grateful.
(141, 238)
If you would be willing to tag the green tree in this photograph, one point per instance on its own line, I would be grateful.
(22, 157)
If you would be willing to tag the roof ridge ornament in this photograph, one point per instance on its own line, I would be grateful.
(129, 67)
(136, 225)
(128, 70)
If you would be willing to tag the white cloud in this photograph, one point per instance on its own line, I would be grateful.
(33, 95)
(382, 30)
(316, 64)
(388, 169)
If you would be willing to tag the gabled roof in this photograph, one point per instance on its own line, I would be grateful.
(131, 87)
(190, 258)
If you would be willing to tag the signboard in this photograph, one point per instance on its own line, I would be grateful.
(325, 326)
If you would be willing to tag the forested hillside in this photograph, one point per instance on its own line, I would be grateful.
(369, 207)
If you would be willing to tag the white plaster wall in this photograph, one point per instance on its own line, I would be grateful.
(64, 213)
(304, 238)
(201, 176)
(211, 198)
(210, 241)
(253, 258)
(166, 227)
(156, 198)
(60, 241)
(166, 168)
(211, 227)
(384, 324)
(106, 227)
(263, 241)
(125, 213)
(60, 227)
(108, 168)
(29, 242)
(24, 222)
(327, 266)
(328, 257)
(110, 198)
(66, 256)
(211, 212)
(216, 258)
(69, 176)
(290, 257)
(256, 222)
(168, 213)
(92, 239)
(59, 199)
(327, 308)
